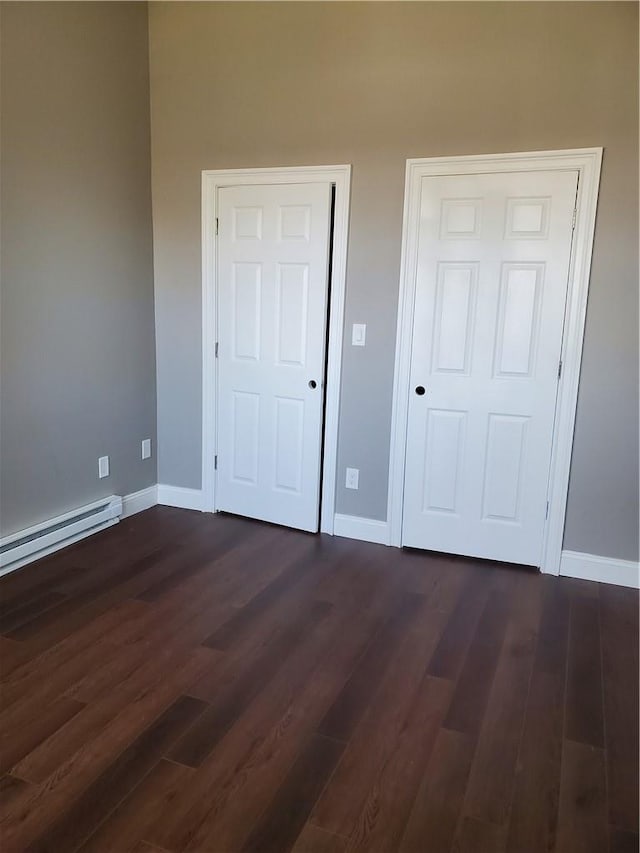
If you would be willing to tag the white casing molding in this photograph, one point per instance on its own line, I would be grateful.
(139, 501)
(365, 529)
(590, 567)
(180, 497)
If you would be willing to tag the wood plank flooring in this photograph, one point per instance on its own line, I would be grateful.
(186, 682)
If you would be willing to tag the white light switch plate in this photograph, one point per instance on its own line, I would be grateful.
(103, 467)
(358, 334)
(146, 448)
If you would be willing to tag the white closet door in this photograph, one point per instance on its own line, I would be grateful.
(273, 247)
(492, 272)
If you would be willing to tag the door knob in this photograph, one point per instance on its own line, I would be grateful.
(420, 389)
(312, 384)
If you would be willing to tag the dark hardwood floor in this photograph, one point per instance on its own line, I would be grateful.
(208, 683)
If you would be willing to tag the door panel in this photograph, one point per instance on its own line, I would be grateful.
(445, 437)
(273, 246)
(492, 272)
(453, 322)
(246, 282)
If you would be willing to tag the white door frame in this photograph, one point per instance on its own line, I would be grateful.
(212, 181)
(587, 162)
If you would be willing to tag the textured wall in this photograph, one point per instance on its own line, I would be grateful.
(77, 336)
(269, 84)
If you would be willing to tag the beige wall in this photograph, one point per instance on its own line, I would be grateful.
(77, 335)
(268, 84)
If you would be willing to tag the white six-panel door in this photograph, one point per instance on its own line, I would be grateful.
(492, 272)
(273, 247)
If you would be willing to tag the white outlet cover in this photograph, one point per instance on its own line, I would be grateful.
(146, 448)
(103, 467)
(351, 480)
(358, 334)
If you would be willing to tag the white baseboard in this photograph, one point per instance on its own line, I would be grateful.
(181, 497)
(139, 501)
(365, 529)
(590, 567)
(165, 496)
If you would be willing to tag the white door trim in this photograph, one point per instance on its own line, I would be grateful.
(587, 161)
(212, 181)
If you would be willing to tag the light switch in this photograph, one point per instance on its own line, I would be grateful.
(358, 334)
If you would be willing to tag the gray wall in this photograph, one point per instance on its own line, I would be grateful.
(239, 85)
(78, 358)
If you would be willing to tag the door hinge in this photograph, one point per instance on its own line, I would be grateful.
(546, 515)
(573, 219)
(215, 462)
(559, 368)
(216, 355)
(217, 225)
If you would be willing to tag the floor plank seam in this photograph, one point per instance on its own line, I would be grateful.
(155, 847)
(109, 814)
(312, 822)
(604, 712)
(534, 653)
(562, 773)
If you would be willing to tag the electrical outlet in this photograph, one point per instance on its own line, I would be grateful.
(146, 448)
(103, 467)
(351, 481)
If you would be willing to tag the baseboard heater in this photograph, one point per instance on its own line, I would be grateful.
(34, 542)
